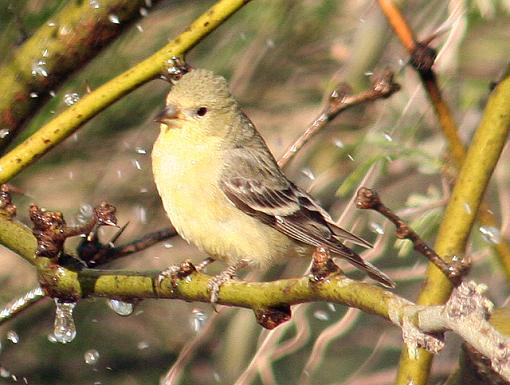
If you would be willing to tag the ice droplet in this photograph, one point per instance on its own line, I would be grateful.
(71, 98)
(198, 319)
(113, 18)
(64, 329)
(91, 357)
(13, 336)
(321, 315)
(377, 228)
(491, 234)
(121, 308)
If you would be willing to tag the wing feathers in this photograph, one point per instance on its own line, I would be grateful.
(283, 206)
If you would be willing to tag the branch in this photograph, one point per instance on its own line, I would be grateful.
(340, 100)
(474, 176)
(90, 105)
(422, 59)
(59, 47)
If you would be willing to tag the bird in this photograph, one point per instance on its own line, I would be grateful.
(224, 192)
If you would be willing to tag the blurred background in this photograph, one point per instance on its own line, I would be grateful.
(282, 59)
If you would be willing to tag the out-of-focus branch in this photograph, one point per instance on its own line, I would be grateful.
(58, 48)
(340, 100)
(90, 105)
(15, 307)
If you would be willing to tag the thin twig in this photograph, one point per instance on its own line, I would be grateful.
(454, 270)
(15, 307)
(340, 100)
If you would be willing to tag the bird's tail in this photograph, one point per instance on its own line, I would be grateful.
(372, 271)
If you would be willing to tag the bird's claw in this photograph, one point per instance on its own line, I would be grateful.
(176, 272)
(215, 284)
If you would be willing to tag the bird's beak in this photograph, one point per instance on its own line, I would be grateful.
(169, 113)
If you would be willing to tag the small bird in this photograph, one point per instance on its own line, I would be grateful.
(224, 192)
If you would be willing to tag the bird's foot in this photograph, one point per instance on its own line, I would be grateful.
(322, 265)
(202, 265)
(226, 275)
(175, 272)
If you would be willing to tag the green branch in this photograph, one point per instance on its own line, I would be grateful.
(90, 105)
(461, 212)
(61, 46)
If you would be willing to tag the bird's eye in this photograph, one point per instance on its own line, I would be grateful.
(202, 111)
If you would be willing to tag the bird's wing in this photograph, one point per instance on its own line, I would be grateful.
(260, 190)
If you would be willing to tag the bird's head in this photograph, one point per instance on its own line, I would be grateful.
(199, 101)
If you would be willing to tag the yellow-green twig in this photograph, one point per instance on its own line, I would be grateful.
(461, 213)
(68, 121)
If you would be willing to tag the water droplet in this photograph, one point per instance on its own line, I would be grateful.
(142, 345)
(217, 377)
(321, 315)
(467, 208)
(85, 213)
(140, 150)
(308, 173)
(293, 149)
(52, 339)
(491, 234)
(34, 95)
(338, 143)
(119, 174)
(52, 93)
(64, 30)
(71, 98)
(64, 329)
(4, 132)
(143, 12)
(270, 43)
(39, 69)
(167, 245)
(148, 3)
(94, 4)
(113, 18)
(331, 306)
(51, 24)
(369, 73)
(376, 228)
(141, 213)
(388, 137)
(120, 307)
(13, 336)
(91, 357)
(139, 28)
(198, 319)
(136, 164)
(188, 278)
(45, 52)
(350, 157)
(4, 373)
